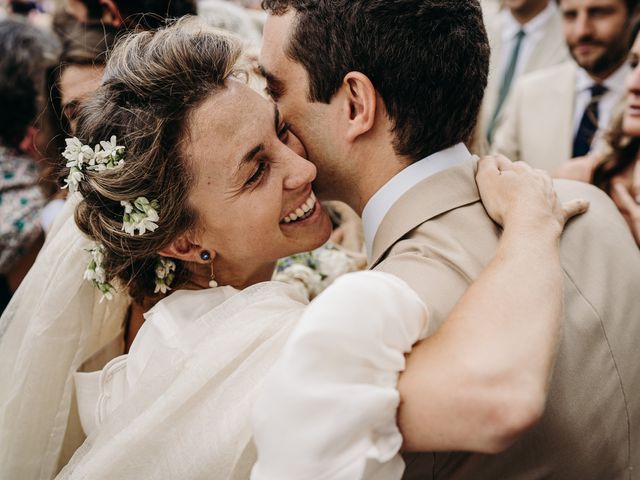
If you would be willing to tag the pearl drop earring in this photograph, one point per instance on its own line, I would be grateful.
(206, 256)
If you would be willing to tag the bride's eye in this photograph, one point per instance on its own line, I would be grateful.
(257, 174)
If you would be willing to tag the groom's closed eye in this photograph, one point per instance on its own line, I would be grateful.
(274, 88)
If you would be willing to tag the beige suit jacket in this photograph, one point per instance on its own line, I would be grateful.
(551, 50)
(537, 125)
(438, 238)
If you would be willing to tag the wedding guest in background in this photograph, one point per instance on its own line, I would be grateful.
(617, 169)
(490, 8)
(525, 36)
(561, 112)
(82, 62)
(130, 14)
(25, 55)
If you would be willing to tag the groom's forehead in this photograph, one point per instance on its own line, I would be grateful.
(275, 38)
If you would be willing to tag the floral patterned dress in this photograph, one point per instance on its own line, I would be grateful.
(21, 201)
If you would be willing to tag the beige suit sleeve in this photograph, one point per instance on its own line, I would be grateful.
(495, 351)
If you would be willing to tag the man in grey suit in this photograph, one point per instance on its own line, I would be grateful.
(383, 93)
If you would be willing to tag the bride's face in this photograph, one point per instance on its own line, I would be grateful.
(253, 185)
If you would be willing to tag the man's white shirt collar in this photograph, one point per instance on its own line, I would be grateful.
(614, 82)
(381, 202)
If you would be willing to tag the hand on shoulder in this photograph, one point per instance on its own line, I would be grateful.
(514, 193)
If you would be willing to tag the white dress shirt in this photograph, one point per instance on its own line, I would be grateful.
(534, 31)
(382, 201)
(614, 94)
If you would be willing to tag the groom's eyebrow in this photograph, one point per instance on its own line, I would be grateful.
(275, 87)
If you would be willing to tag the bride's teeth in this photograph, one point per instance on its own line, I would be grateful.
(302, 211)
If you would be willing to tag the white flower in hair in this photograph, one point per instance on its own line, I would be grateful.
(107, 155)
(111, 155)
(74, 179)
(96, 273)
(72, 151)
(165, 269)
(141, 215)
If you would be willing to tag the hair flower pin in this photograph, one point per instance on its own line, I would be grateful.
(95, 272)
(140, 215)
(165, 269)
(107, 155)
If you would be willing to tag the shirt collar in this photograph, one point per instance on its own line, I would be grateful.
(614, 82)
(537, 23)
(382, 201)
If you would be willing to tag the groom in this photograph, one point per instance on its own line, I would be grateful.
(383, 93)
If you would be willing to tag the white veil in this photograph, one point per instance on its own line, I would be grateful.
(54, 322)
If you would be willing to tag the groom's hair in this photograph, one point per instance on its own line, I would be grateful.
(428, 60)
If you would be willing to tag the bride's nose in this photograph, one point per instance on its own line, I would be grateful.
(299, 172)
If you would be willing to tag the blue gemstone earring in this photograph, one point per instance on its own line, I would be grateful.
(206, 256)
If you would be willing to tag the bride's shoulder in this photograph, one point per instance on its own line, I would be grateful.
(369, 285)
(180, 320)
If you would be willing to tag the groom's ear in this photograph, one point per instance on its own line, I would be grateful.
(360, 97)
(182, 248)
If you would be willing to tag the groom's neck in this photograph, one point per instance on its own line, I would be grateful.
(375, 164)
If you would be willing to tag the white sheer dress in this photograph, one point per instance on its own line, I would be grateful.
(318, 381)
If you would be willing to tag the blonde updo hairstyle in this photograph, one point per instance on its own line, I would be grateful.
(152, 84)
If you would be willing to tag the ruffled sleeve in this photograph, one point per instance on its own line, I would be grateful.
(328, 407)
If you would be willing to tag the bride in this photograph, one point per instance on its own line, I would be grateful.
(192, 185)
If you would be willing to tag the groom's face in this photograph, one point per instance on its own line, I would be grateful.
(316, 124)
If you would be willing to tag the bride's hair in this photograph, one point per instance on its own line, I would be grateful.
(153, 82)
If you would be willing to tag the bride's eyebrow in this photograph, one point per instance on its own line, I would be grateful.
(251, 154)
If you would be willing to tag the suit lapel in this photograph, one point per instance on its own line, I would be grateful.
(440, 193)
(561, 100)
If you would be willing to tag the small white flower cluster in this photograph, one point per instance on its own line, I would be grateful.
(140, 215)
(165, 269)
(104, 156)
(95, 272)
(314, 271)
